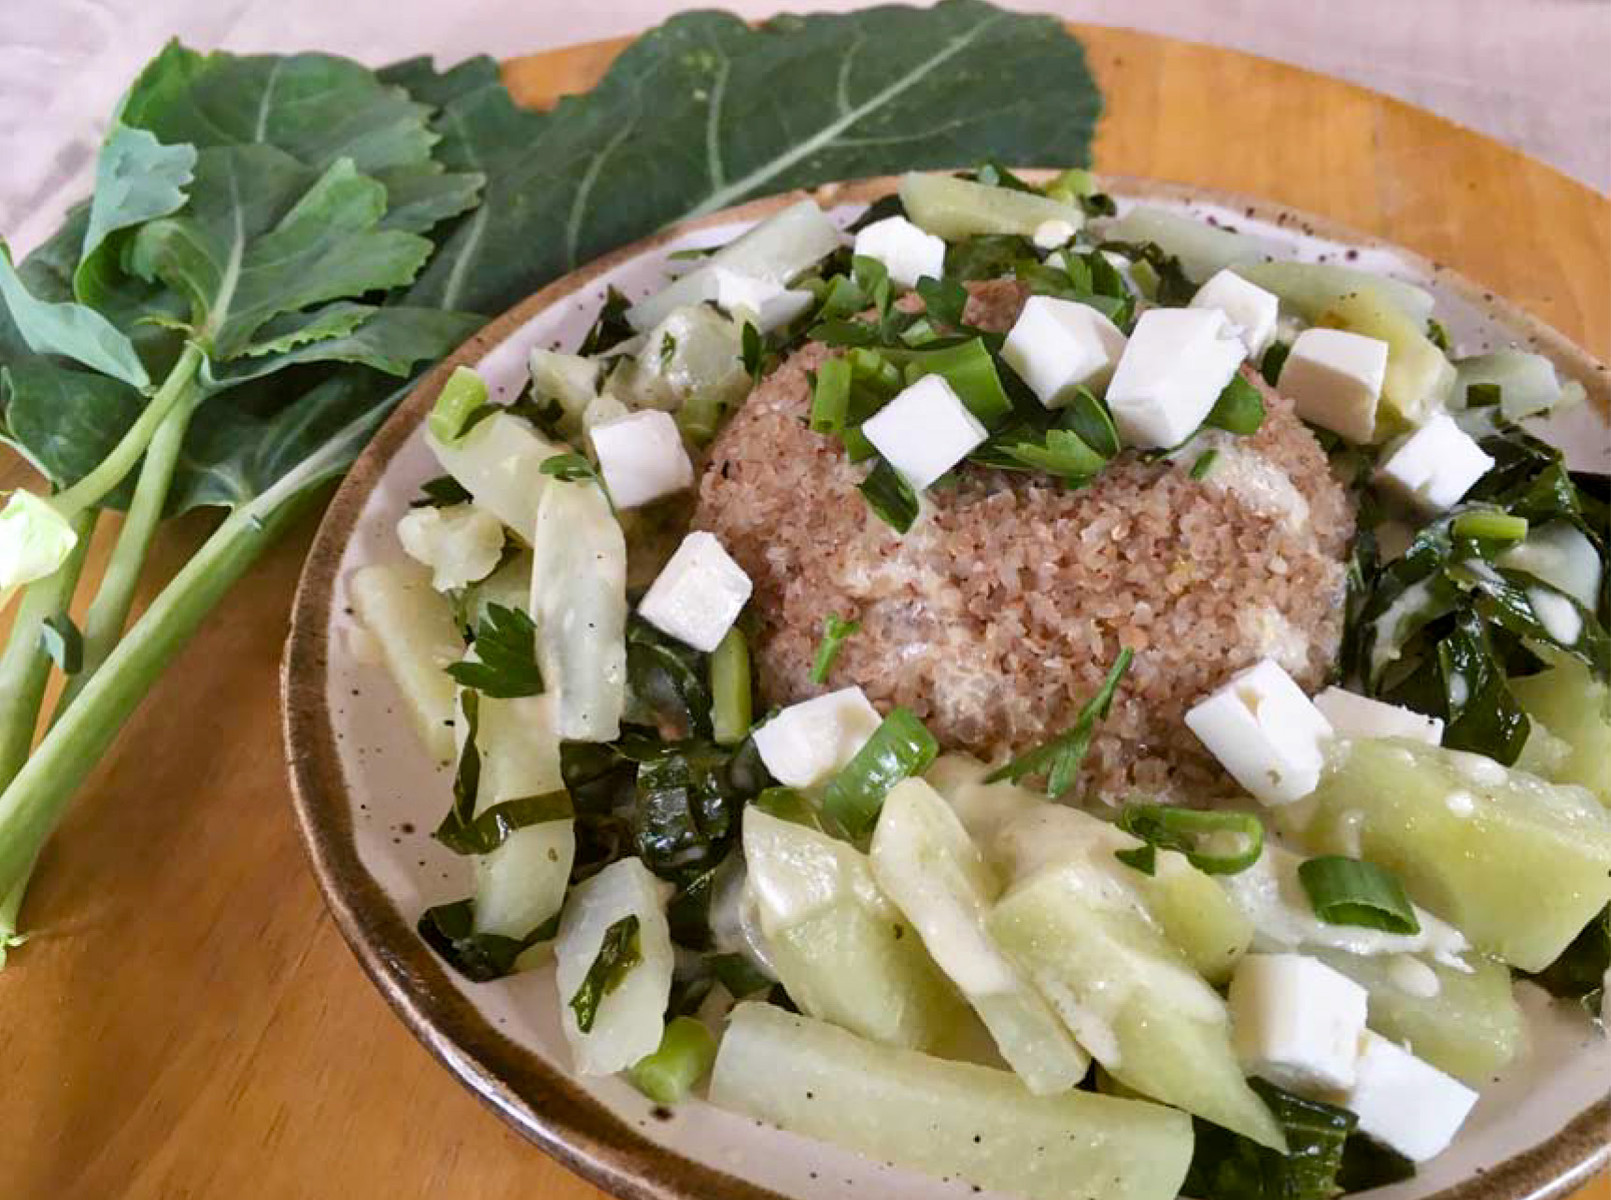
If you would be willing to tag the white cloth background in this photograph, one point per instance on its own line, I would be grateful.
(1533, 73)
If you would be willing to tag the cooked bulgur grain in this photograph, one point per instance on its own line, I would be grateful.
(997, 615)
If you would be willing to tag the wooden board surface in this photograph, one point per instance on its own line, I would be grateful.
(188, 1023)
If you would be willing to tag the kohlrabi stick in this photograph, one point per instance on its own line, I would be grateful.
(109, 611)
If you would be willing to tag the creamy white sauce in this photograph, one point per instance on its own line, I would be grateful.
(1413, 977)
(1557, 615)
(1477, 768)
(1383, 651)
(1273, 636)
(1247, 475)
(1459, 692)
(1461, 803)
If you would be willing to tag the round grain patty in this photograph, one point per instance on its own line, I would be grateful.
(998, 614)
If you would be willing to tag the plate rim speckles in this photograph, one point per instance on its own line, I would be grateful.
(539, 1100)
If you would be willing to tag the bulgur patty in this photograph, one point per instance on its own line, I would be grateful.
(997, 615)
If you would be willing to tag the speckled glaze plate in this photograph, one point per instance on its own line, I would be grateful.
(367, 795)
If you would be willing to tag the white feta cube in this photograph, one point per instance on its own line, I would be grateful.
(1435, 466)
(1334, 379)
(1265, 732)
(768, 304)
(1297, 1022)
(1355, 716)
(1049, 235)
(642, 457)
(1175, 365)
(1404, 1102)
(925, 431)
(698, 594)
(460, 543)
(1251, 311)
(1057, 345)
(807, 743)
(908, 253)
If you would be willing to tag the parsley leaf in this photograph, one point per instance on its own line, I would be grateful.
(506, 644)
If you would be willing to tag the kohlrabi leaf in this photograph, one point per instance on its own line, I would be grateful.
(392, 339)
(422, 196)
(65, 421)
(66, 329)
(707, 110)
(263, 236)
(317, 108)
(137, 178)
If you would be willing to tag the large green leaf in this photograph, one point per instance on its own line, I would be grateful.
(63, 420)
(263, 236)
(706, 111)
(66, 329)
(391, 340)
(137, 178)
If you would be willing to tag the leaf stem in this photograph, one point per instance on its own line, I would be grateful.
(109, 611)
(35, 800)
(112, 469)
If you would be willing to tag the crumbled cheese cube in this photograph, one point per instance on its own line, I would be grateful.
(642, 457)
(1334, 379)
(460, 543)
(1175, 365)
(807, 743)
(1049, 235)
(1355, 716)
(925, 431)
(698, 594)
(1435, 466)
(768, 304)
(1297, 1021)
(1057, 345)
(908, 253)
(1404, 1102)
(1265, 732)
(1251, 311)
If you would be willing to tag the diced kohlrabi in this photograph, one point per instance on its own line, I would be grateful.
(499, 462)
(568, 379)
(630, 1015)
(1419, 376)
(983, 808)
(946, 1118)
(1575, 707)
(1519, 865)
(508, 586)
(1308, 289)
(952, 208)
(1527, 382)
(578, 600)
(694, 351)
(1130, 997)
(1464, 1021)
(1191, 908)
(777, 250)
(461, 543)
(1202, 249)
(843, 952)
(413, 626)
(925, 862)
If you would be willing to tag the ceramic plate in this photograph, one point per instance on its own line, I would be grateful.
(367, 797)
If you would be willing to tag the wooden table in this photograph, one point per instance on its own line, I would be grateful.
(188, 1022)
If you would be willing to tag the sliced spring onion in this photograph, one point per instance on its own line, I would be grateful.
(1274, 359)
(971, 372)
(1059, 759)
(920, 333)
(900, 747)
(835, 629)
(1347, 891)
(830, 396)
(1239, 409)
(731, 710)
(889, 496)
(461, 397)
(619, 952)
(1074, 182)
(1204, 464)
(1490, 525)
(686, 1054)
(1143, 858)
(872, 370)
(1216, 843)
(786, 804)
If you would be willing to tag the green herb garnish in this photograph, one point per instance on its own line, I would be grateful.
(506, 656)
(1216, 843)
(1059, 759)
(1204, 464)
(619, 952)
(1348, 891)
(571, 468)
(443, 491)
(835, 629)
(890, 497)
(1239, 409)
(450, 930)
(1227, 1166)
(1274, 359)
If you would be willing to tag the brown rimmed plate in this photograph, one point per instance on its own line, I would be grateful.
(367, 795)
